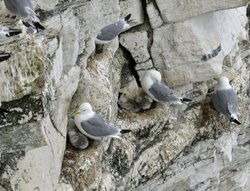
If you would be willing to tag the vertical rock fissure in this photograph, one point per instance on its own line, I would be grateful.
(156, 6)
(150, 30)
(131, 65)
(57, 130)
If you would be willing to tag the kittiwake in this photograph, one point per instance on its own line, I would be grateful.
(225, 100)
(157, 90)
(24, 9)
(6, 32)
(76, 138)
(109, 32)
(93, 126)
(4, 56)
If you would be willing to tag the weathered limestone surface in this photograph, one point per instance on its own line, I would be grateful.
(137, 44)
(37, 86)
(178, 48)
(178, 10)
(154, 16)
(171, 147)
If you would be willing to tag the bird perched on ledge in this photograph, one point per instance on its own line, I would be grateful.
(25, 10)
(93, 126)
(109, 32)
(225, 100)
(157, 90)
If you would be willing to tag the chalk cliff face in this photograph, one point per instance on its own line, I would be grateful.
(171, 147)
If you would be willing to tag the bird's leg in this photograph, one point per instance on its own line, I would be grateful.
(26, 24)
(38, 26)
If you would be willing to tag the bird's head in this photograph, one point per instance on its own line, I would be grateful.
(153, 74)
(84, 108)
(223, 83)
(223, 80)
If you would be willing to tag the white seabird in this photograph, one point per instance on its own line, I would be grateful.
(225, 100)
(24, 9)
(157, 90)
(93, 126)
(109, 32)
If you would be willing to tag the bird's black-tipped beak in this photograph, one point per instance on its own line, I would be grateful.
(127, 17)
(125, 131)
(39, 26)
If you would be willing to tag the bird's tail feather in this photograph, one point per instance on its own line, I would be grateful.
(125, 131)
(38, 26)
(185, 100)
(13, 32)
(235, 121)
(4, 56)
(127, 17)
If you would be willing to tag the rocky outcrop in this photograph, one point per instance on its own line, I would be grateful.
(38, 84)
(174, 11)
(171, 147)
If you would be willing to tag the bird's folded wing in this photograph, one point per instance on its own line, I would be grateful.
(160, 91)
(96, 126)
(111, 31)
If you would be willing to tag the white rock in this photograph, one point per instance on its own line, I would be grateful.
(154, 16)
(178, 10)
(70, 38)
(178, 48)
(23, 69)
(46, 4)
(133, 7)
(64, 187)
(137, 44)
(36, 157)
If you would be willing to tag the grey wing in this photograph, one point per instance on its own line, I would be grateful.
(162, 93)
(111, 31)
(225, 101)
(17, 7)
(96, 126)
